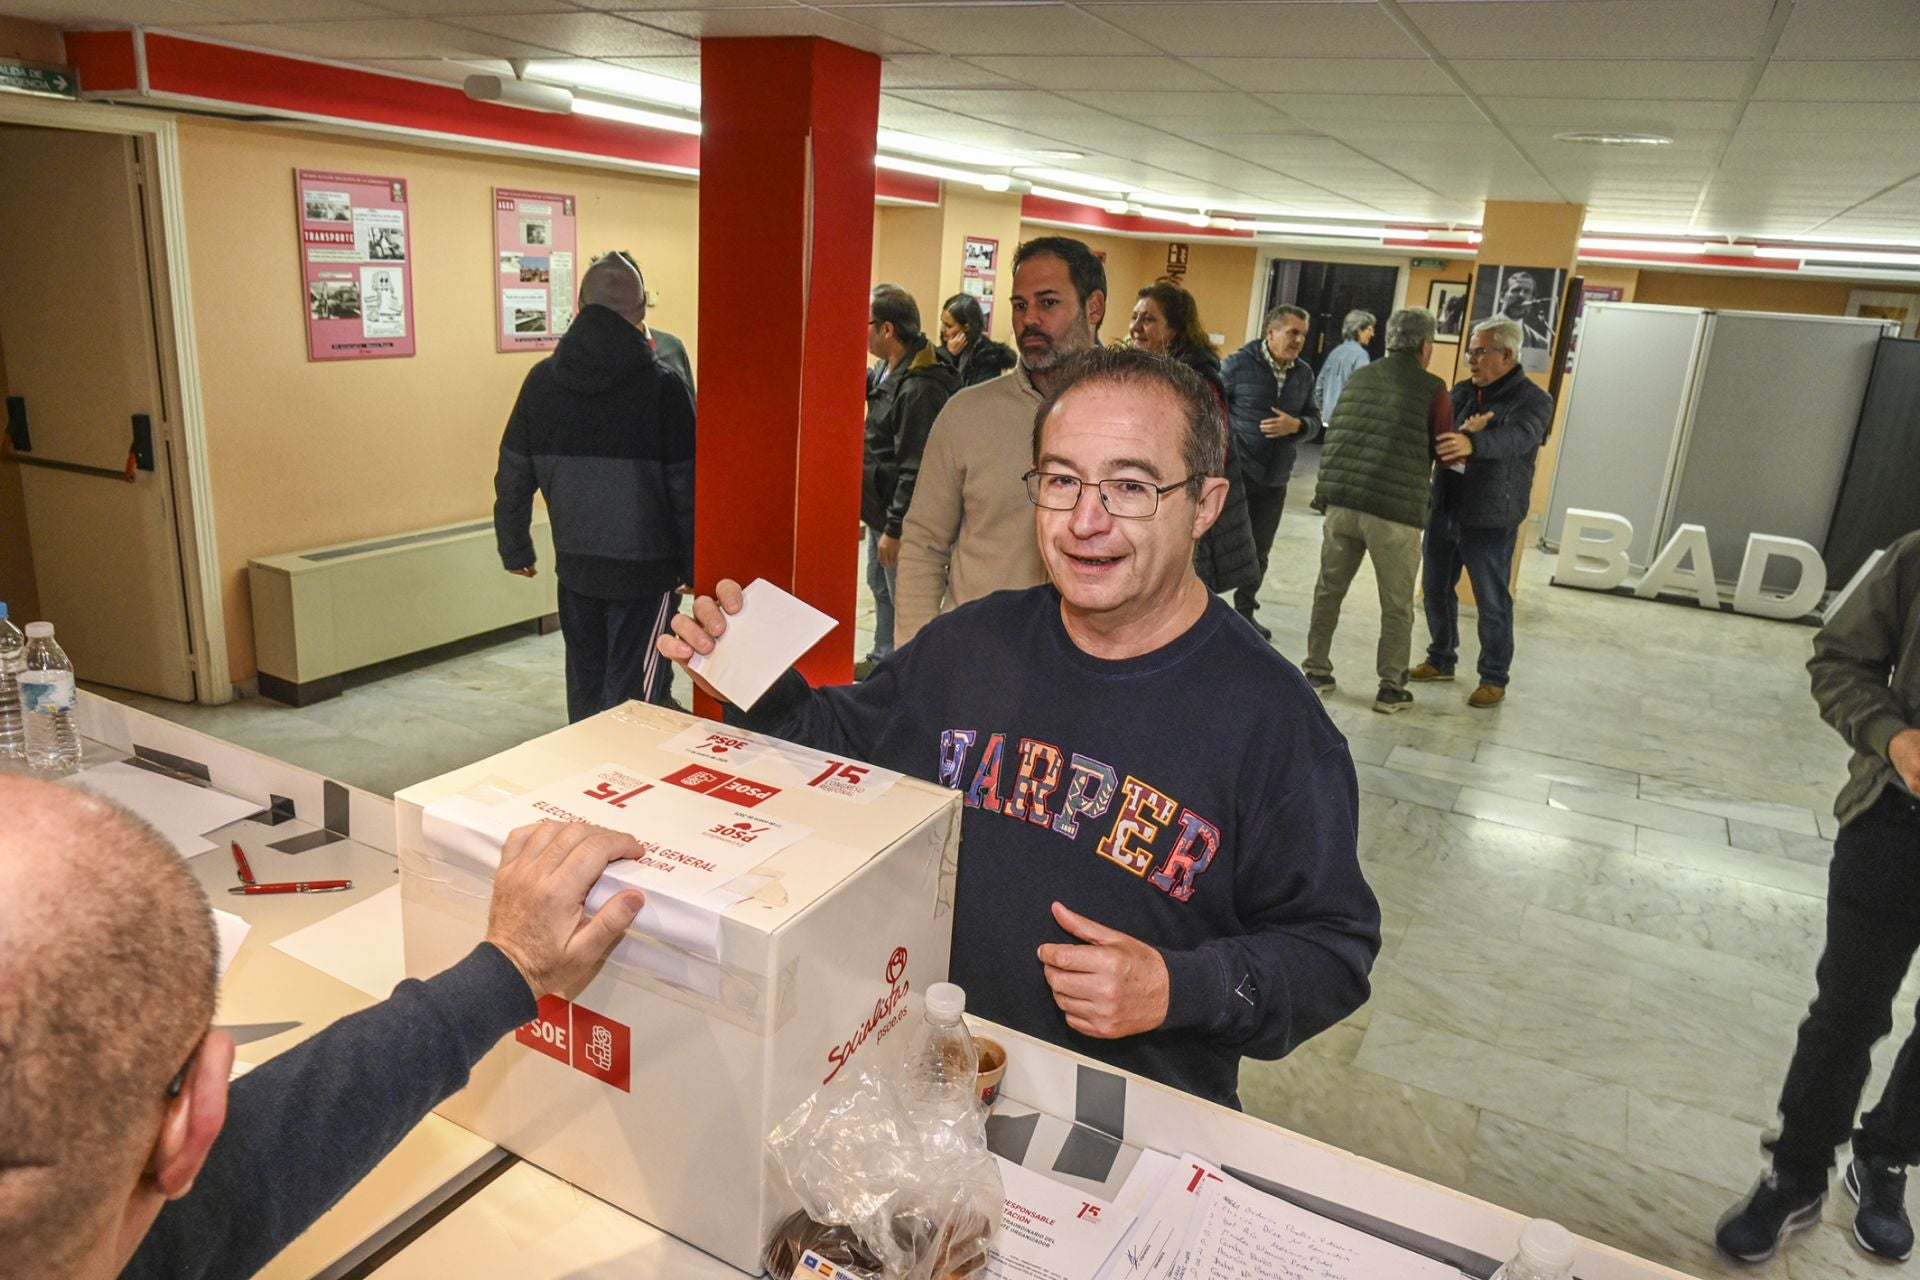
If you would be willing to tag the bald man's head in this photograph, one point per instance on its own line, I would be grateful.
(107, 980)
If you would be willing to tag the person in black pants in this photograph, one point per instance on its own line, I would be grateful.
(1866, 679)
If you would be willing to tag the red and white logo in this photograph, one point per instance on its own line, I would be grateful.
(591, 1043)
(719, 745)
(888, 1010)
(741, 832)
(744, 792)
(697, 777)
(551, 1028)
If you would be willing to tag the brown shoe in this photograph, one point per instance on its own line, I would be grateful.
(1487, 695)
(1427, 671)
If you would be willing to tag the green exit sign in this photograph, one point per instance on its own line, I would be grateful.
(30, 77)
(1430, 262)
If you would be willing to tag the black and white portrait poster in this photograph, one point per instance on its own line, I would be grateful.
(1529, 296)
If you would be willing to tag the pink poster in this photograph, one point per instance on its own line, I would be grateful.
(979, 267)
(355, 264)
(534, 248)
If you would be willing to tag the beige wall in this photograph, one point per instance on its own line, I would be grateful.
(1221, 278)
(906, 252)
(1745, 293)
(31, 41)
(17, 585)
(303, 453)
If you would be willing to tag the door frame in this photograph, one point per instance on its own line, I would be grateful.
(178, 356)
(1359, 257)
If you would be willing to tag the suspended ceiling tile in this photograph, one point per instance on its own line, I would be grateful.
(1329, 75)
(787, 20)
(685, 69)
(935, 71)
(637, 7)
(1150, 105)
(282, 10)
(1850, 81)
(1851, 29)
(1323, 108)
(969, 29)
(1098, 72)
(1574, 77)
(1397, 133)
(176, 14)
(1895, 155)
(585, 35)
(1824, 117)
(1196, 28)
(380, 38)
(1614, 115)
(1607, 29)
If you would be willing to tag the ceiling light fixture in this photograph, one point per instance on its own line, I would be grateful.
(1312, 229)
(1080, 197)
(519, 93)
(1609, 138)
(1051, 153)
(1609, 244)
(635, 115)
(620, 82)
(934, 149)
(1071, 178)
(1822, 253)
(946, 173)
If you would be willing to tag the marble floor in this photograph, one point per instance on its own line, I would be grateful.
(1603, 900)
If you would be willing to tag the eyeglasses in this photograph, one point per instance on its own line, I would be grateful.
(1125, 499)
(179, 1081)
(1475, 353)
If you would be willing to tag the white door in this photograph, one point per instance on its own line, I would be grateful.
(77, 316)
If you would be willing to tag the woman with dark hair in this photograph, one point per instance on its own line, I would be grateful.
(1166, 320)
(964, 343)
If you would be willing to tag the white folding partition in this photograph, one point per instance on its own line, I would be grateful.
(1622, 429)
(1775, 402)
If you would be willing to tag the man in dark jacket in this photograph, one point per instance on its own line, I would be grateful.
(1866, 680)
(1480, 497)
(124, 1150)
(1373, 482)
(606, 434)
(905, 393)
(1270, 407)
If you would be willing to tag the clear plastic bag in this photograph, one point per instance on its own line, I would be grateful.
(908, 1172)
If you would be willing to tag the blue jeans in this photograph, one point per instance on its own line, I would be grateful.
(1486, 555)
(611, 655)
(880, 581)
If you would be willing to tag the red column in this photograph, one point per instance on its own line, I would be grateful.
(786, 245)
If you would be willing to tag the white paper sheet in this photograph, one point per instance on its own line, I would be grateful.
(769, 634)
(1154, 1247)
(1239, 1232)
(232, 931)
(180, 811)
(360, 945)
(1048, 1230)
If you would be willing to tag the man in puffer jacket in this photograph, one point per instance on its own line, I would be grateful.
(905, 393)
(605, 433)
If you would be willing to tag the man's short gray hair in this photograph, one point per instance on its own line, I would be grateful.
(1501, 332)
(1409, 328)
(1284, 312)
(1356, 321)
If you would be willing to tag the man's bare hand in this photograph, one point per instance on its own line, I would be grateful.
(1904, 754)
(1112, 986)
(888, 551)
(1453, 446)
(696, 634)
(538, 916)
(1478, 422)
(1280, 424)
(528, 572)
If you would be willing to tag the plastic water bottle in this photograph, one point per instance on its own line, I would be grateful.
(13, 660)
(942, 1061)
(46, 698)
(1546, 1253)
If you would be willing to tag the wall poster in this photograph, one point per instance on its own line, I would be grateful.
(979, 267)
(534, 241)
(1529, 296)
(355, 264)
(1589, 293)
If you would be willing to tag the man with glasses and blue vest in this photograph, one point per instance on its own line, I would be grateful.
(1158, 862)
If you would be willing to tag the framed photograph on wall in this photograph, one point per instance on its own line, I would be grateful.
(1447, 299)
(1529, 296)
(1902, 309)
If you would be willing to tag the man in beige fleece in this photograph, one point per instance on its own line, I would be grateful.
(969, 531)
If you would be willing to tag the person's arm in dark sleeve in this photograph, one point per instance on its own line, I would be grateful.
(1311, 422)
(513, 487)
(1518, 428)
(919, 406)
(1853, 653)
(1312, 928)
(677, 449)
(306, 1125)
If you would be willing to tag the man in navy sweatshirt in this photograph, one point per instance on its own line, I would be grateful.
(122, 1148)
(1158, 863)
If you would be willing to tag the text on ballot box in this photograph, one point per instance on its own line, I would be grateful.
(654, 1085)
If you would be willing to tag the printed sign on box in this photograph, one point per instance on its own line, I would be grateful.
(356, 264)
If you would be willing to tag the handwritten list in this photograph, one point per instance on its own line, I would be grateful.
(1239, 1233)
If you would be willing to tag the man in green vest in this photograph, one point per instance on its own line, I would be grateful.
(1373, 483)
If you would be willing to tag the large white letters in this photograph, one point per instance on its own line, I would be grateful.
(1687, 546)
(1593, 550)
(1593, 556)
(1802, 600)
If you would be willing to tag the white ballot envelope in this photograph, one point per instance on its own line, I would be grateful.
(769, 634)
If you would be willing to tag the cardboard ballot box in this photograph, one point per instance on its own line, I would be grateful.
(810, 902)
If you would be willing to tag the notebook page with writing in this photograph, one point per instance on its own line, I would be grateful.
(1239, 1233)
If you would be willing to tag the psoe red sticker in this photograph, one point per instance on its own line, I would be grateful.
(602, 1048)
(550, 1030)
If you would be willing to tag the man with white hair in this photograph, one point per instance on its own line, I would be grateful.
(1479, 500)
(1344, 360)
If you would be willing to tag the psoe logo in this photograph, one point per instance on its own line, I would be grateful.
(888, 1010)
(741, 832)
(716, 744)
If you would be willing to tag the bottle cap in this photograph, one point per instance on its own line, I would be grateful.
(1547, 1243)
(39, 630)
(945, 1002)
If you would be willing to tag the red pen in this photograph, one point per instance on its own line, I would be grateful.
(295, 886)
(240, 861)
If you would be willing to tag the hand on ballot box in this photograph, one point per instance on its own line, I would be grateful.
(538, 916)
